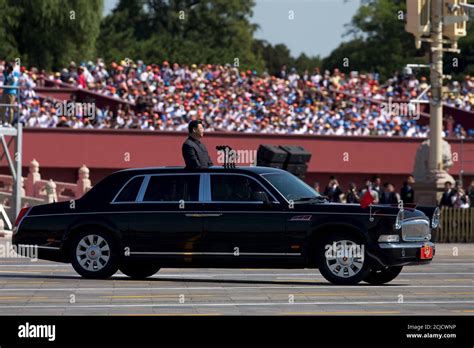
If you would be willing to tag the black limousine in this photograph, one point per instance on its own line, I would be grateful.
(140, 220)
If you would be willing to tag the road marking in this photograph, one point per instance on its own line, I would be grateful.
(468, 311)
(234, 304)
(329, 294)
(167, 314)
(443, 293)
(28, 282)
(222, 288)
(343, 313)
(8, 298)
(154, 296)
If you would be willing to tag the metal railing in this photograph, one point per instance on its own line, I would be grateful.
(456, 225)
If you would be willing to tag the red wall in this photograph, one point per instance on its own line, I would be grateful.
(61, 152)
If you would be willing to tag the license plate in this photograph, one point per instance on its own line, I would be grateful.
(426, 252)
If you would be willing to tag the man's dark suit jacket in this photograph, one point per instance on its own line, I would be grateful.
(195, 154)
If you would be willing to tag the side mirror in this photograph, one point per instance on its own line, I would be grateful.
(262, 196)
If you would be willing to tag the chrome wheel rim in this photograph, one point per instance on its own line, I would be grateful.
(93, 253)
(345, 258)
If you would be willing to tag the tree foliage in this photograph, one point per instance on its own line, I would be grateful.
(186, 31)
(49, 33)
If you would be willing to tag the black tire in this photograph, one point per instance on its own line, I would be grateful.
(378, 277)
(138, 270)
(328, 266)
(106, 261)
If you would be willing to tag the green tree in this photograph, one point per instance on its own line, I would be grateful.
(186, 31)
(379, 40)
(274, 56)
(53, 32)
(9, 19)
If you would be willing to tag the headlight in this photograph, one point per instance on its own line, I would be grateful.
(389, 238)
(435, 218)
(399, 220)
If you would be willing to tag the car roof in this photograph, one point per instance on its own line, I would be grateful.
(213, 169)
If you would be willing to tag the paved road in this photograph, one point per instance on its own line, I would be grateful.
(445, 287)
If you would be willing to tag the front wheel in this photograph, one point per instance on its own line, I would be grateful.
(138, 270)
(341, 258)
(378, 277)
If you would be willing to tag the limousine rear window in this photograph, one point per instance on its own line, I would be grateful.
(168, 188)
(130, 191)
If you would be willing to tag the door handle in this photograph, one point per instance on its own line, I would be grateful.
(203, 215)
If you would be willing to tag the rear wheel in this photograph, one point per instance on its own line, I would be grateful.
(94, 255)
(138, 270)
(341, 258)
(378, 277)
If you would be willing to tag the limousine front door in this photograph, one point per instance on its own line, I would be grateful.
(238, 225)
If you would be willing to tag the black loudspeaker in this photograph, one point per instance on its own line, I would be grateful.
(299, 169)
(270, 154)
(296, 154)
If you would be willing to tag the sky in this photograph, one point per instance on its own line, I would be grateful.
(314, 27)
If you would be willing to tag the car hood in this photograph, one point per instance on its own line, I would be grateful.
(348, 208)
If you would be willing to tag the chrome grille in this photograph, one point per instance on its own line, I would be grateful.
(416, 230)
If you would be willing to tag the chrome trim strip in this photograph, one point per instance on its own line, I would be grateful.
(202, 211)
(48, 247)
(210, 253)
(38, 246)
(405, 245)
(142, 190)
(202, 187)
(203, 215)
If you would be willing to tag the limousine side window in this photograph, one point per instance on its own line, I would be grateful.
(169, 188)
(234, 188)
(130, 191)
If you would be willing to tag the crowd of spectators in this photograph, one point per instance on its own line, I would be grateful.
(168, 96)
(386, 194)
(456, 196)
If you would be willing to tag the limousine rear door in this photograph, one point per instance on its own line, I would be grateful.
(162, 222)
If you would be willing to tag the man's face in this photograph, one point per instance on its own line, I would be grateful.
(377, 181)
(199, 131)
(447, 186)
(411, 180)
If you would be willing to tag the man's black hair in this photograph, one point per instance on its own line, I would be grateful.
(193, 125)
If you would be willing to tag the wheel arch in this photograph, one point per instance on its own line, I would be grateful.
(93, 226)
(320, 232)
